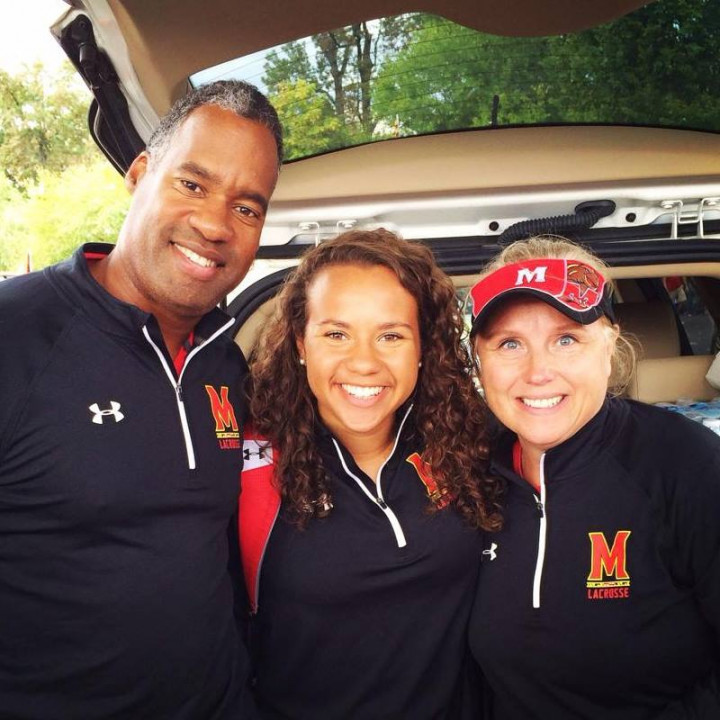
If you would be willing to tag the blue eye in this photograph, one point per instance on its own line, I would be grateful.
(510, 344)
(566, 340)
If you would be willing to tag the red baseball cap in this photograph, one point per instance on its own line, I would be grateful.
(574, 288)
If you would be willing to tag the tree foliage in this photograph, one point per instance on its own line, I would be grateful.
(451, 77)
(421, 73)
(83, 203)
(56, 189)
(309, 122)
(333, 74)
(658, 64)
(42, 124)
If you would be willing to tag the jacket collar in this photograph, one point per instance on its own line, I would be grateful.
(74, 280)
(571, 456)
(327, 445)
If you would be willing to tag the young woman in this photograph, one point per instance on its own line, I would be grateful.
(365, 489)
(600, 598)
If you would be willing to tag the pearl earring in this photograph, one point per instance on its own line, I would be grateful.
(302, 361)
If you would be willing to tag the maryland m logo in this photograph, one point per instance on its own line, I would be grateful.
(528, 276)
(441, 498)
(222, 409)
(608, 576)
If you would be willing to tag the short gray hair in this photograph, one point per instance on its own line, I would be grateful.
(237, 96)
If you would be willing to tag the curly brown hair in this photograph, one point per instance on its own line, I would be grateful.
(450, 416)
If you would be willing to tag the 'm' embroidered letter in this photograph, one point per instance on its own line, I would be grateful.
(526, 276)
(222, 409)
(610, 561)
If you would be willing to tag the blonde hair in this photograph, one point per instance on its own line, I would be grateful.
(624, 356)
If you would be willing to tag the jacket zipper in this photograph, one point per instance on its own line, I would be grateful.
(379, 500)
(542, 538)
(177, 385)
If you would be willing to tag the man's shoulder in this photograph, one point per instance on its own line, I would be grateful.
(33, 315)
(19, 291)
(28, 300)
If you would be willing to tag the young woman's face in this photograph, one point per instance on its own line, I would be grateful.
(545, 376)
(361, 348)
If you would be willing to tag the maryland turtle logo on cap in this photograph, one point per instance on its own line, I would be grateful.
(587, 280)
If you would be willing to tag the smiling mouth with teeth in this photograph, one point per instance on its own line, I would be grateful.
(195, 258)
(542, 402)
(361, 391)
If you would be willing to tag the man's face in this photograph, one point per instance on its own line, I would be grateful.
(197, 211)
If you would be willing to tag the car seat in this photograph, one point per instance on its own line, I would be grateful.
(662, 374)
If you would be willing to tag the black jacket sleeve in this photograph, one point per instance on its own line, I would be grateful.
(695, 515)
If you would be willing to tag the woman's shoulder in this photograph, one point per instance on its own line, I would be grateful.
(658, 445)
(666, 421)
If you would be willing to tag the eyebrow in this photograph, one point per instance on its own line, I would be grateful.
(384, 326)
(201, 172)
(569, 326)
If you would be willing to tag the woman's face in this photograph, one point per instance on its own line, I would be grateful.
(545, 376)
(361, 348)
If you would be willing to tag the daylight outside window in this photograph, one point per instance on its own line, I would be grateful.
(417, 74)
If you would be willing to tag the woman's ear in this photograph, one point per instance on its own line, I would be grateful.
(300, 345)
(612, 333)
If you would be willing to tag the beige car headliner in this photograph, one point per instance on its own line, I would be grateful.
(168, 40)
(508, 159)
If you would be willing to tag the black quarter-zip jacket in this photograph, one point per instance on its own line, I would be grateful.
(363, 615)
(118, 481)
(601, 598)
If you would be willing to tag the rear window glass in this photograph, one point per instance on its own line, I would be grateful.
(695, 318)
(417, 74)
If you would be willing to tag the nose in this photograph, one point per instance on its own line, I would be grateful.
(362, 358)
(540, 367)
(211, 218)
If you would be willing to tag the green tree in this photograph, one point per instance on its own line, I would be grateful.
(83, 203)
(657, 65)
(309, 123)
(42, 124)
(56, 190)
(339, 68)
(449, 76)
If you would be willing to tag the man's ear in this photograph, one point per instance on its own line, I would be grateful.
(136, 170)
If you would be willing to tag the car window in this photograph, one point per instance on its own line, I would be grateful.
(417, 73)
(695, 318)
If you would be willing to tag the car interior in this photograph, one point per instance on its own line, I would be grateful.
(644, 197)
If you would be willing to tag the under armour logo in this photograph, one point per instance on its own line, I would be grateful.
(99, 414)
(260, 453)
(256, 454)
(491, 552)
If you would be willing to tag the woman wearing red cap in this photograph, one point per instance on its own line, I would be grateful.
(600, 597)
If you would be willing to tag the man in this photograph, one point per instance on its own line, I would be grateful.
(120, 442)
